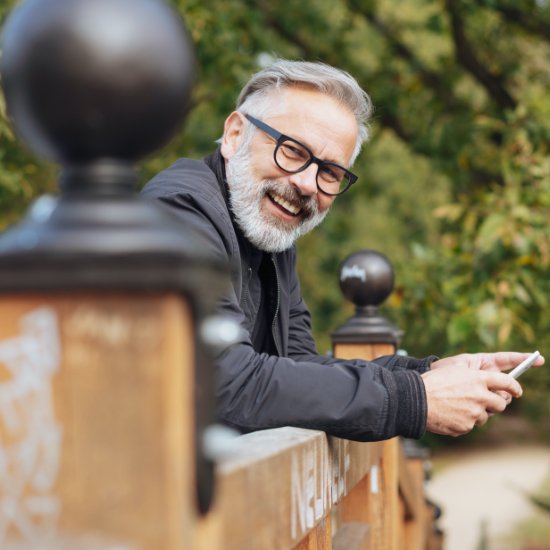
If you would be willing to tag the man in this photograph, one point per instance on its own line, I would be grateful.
(283, 159)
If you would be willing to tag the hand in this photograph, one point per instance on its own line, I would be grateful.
(460, 397)
(499, 361)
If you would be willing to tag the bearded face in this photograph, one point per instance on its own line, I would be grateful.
(271, 213)
(274, 205)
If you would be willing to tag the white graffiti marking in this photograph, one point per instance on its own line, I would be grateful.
(318, 479)
(374, 486)
(354, 272)
(30, 437)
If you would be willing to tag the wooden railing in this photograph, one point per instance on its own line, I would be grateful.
(294, 488)
(300, 489)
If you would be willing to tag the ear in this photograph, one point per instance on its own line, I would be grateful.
(233, 133)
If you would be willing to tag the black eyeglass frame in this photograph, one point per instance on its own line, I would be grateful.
(281, 138)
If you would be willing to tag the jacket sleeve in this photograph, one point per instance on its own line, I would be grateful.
(351, 399)
(301, 345)
(364, 403)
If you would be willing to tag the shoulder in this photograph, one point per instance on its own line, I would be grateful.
(185, 175)
(190, 187)
(189, 190)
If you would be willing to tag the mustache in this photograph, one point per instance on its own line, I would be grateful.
(307, 205)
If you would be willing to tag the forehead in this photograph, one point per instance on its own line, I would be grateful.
(325, 125)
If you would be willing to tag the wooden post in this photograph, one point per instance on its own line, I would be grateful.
(96, 420)
(416, 532)
(366, 278)
(101, 295)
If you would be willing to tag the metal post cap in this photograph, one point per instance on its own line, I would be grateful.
(95, 85)
(366, 278)
(87, 80)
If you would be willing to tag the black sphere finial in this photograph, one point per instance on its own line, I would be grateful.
(366, 278)
(86, 80)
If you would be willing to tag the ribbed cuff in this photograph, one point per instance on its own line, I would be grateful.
(412, 408)
(426, 363)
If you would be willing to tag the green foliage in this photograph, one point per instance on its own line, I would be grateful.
(455, 184)
(22, 177)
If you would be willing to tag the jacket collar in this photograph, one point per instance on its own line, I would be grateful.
(216, 163)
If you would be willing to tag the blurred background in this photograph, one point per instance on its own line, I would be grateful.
(454, 185)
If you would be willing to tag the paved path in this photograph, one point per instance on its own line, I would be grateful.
(486, 486)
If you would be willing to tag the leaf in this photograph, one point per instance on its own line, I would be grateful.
(492, 229)
(459, 329)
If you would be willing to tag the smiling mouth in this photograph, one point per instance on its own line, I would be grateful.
(283, 204)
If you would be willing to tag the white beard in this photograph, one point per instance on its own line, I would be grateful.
(266, 232)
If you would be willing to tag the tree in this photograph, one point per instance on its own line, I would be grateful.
(455, 183)
(22, 177)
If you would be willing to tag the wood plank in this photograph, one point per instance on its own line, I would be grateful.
(351, 536)
(355, 506)
(368, 352)
(288, 480)
(319, 538)
(407, 488)
(390, 491)
(416, 533)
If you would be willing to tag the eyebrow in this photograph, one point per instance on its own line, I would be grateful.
(269, 130)
(331, 161)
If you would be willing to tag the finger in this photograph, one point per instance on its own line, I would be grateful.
(499, 381)
(506, 360)
(482, 419)
(496, 402)
(506, 396)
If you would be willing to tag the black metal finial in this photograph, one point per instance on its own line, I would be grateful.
(95, 85)
(366, 279)
(89, 80)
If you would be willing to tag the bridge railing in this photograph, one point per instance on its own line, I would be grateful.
(295, 488)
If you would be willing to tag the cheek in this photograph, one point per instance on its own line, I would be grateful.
(324, 202)
(263, 166)
(257, 169)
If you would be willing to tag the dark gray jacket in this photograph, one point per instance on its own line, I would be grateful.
(286, 383)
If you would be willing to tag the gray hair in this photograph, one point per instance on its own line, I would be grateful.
(255, 96)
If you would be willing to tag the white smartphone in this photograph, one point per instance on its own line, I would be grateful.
(524, 365)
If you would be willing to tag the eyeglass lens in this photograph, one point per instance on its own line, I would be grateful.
(291, 156)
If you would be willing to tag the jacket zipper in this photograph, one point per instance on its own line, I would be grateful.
(274, 330)
(246, 287)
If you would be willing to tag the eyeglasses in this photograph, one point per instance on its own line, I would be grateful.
(292, 156)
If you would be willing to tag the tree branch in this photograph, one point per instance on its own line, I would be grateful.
(528, 21)
(430, 78)
(493, 84)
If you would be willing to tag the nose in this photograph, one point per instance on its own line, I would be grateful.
(305, 181)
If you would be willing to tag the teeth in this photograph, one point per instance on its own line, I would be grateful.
(285, 204)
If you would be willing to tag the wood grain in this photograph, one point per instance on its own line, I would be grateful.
(121, 399)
